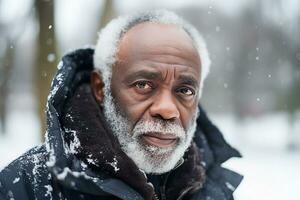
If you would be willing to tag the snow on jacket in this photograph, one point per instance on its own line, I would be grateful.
(81, 158)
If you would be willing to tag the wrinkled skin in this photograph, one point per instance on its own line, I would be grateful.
(157, 75)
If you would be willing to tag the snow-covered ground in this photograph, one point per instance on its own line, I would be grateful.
(270, 169)
(271, 172)
(22, 129)
(269, 175)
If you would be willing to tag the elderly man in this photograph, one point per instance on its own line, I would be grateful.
(124, 121)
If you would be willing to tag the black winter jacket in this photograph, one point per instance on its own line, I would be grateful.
(81, 159)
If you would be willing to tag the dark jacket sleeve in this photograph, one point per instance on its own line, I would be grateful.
(2, 192)
(2, 197)
(4, 178)
(18, 179)
(13, 183)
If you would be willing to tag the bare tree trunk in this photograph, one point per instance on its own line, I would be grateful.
(46, 56)
(108, 12)
(5, 70)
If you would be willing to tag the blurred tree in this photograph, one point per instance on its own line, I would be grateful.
(108, 11)
(5, 66)
(11, 30)
(5, 69)
(46, 56)
(292, 96)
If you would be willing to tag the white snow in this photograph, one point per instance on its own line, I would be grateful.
(270, 170)
(66, 171)
(114, 164)
(267, 175)
(16, 180)
(63, 174)
(53, 91)
(36, 169)
(83, 165)
(60, 64)
(91, 161)
(49, 191)
(70, 117)
(59, 78)
(51, 161)
(74, 144)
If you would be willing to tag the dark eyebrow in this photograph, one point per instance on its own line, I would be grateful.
(144, 74)
(189, 80)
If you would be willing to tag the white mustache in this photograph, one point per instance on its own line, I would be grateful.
(159, 127)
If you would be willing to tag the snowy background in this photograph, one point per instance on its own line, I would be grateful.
(252, 93)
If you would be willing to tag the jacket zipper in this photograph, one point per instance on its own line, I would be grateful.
(163, 186)
(162, 189)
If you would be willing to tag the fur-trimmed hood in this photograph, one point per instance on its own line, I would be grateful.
(85, 156)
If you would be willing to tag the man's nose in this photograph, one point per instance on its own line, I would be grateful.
(164, 107)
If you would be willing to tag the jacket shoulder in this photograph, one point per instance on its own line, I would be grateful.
(21, 177)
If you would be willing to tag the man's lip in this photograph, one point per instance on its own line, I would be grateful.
(160, 140)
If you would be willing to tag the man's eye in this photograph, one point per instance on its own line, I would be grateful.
(186, 91)
(143, 85)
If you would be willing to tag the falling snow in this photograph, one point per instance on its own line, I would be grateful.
(51, 57)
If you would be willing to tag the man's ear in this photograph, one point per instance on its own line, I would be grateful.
(97, 85)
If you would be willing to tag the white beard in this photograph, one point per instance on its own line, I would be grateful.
(149, 158)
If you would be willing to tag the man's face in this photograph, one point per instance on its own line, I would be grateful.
(154, 92)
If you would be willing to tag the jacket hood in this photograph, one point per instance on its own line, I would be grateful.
(73, 71)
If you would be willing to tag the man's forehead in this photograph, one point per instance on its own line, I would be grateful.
(159, 41)
(165, 31)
